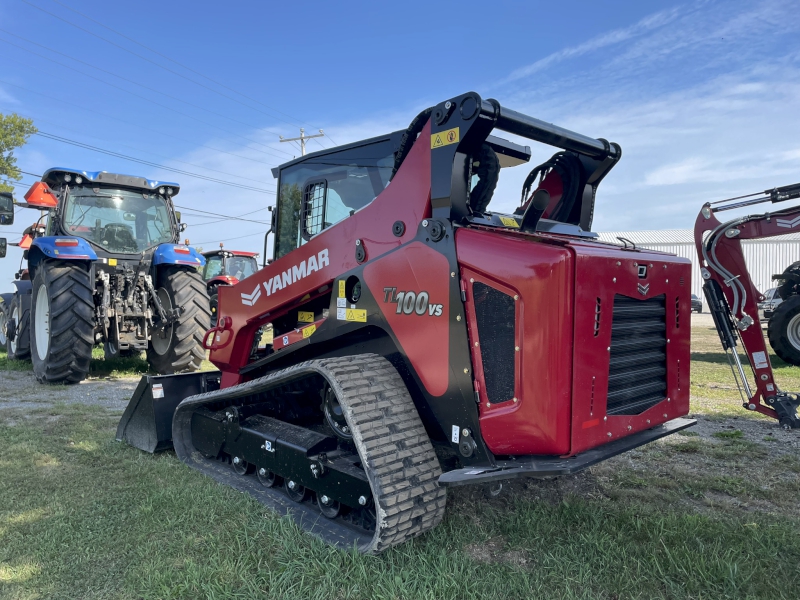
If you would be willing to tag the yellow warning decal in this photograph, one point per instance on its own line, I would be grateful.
(509, 222)
(305, 317)
(341, 288)
(356, 314)
(445, 138)
(112, 262)
(308, 331)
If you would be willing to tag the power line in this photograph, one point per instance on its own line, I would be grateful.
(229, 218)
(213, 214)
(149, 163)
(136, 83)
(40, 120)
(145, 58)
(191, 209)
(179, 64)
(228, 239)
(145, 98)
(161, 133)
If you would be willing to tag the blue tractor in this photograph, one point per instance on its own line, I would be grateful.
(105, 266)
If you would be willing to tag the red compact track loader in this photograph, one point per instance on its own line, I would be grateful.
(733, 298)
(422, 340)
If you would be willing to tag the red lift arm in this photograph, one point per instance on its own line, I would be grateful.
(733, 298)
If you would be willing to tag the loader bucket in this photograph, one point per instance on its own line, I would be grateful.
(147, 421)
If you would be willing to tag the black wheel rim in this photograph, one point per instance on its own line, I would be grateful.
(240, 466)
(295, 491)
(266, 477)
(334, 415)
(329, 507)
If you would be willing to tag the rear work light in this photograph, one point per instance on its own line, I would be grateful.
(66, 242)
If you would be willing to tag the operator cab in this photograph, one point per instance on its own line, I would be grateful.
(321, 189)
(117, 214)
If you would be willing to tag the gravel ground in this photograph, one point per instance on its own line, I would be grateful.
(19, 389)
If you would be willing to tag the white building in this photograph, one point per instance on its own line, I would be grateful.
(764, 258)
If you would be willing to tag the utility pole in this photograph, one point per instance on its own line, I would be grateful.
(302, 139)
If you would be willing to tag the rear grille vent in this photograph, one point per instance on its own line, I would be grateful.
(495, 314)
(637, 378)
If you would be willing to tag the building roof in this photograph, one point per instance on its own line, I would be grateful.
(670, 237)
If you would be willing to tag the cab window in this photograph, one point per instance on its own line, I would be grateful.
(324, 190)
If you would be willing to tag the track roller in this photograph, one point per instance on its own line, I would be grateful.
(266, 477)
(374, 476)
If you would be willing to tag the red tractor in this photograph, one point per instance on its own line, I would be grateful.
(226, 267)
(423, 340)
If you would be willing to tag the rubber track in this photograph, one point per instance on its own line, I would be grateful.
(392, 443)
(71, 323)
(187, 290)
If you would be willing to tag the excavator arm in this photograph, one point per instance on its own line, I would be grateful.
(733, 298)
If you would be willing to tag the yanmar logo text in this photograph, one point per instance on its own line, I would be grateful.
(291, 275)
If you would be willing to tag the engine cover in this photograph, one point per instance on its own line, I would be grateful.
(574, 343)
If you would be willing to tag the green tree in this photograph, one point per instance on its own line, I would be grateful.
(14, 132)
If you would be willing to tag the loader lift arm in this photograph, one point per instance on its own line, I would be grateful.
(733, 298)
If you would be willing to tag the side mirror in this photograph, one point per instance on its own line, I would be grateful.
(178, 216)
(6, 208)
(3, 247)
(272, 222)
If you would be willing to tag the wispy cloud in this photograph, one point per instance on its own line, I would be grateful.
(610, 38)
(703, 100)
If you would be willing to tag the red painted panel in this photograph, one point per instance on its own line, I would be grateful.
(424, 334)
(562, 367)
(541, 274)
(257, 299)
(601, 271)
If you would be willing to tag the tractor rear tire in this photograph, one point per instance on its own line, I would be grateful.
(21, 318)
(179, 347)
(62, 322)
(783, 330)
(3, 323)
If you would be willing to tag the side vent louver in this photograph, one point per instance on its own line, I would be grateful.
(637, 378)
(597, 309)
(677, 313)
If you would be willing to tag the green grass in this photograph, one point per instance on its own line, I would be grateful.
(82, 516)
(99, 367)
(693, 516)
(713, 389)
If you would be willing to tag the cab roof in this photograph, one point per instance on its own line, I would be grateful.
(55, 176)
(233, 252)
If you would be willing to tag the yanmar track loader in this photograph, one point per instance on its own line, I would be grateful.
(422, 340)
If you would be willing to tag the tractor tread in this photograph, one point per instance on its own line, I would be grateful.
(399, 460)
(71, 322)
(187, 290)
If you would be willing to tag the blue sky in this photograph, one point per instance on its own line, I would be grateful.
(703, 97)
